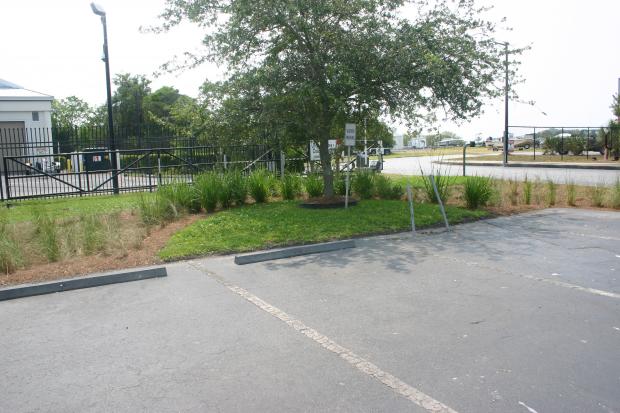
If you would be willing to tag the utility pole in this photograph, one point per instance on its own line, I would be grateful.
(506, 90)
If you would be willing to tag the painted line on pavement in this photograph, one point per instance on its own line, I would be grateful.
(557, 283)
(400, 387)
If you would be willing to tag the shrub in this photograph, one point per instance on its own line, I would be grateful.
(225, 195)
(46, 233)
(314, 185)
(258, 185)
(597, 195)
(363, 183)
(386, 189)
(10, 253)
(615, 195)
(208, 187)
(571, 193)
(290, 186)
(156, 209)
(340, 184)
(527, 191)
(552, 189)
(477, 191)
(237, 185)
(575, 144)
(182, 195)
(443, 183)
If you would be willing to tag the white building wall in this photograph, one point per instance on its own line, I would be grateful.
(21, 111)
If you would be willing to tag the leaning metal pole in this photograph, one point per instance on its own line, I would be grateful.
(112, 140)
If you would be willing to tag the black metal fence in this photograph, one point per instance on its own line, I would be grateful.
(564, 143)
(40, 162)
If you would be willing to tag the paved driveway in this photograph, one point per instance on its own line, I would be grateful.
(413, 166)
(518, 314)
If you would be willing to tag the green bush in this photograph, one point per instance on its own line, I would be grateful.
(340, 184)
(10, 253)
(258, 185)
(182, 195)
(363, 183)
(208, 187)
(314, 185)
(237, 185)
(477, 191)
(575, 145)
(290, 186)
(386, 189)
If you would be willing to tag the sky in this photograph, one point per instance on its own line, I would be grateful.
(571, 70)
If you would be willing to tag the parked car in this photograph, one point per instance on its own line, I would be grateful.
(374, 151)
(43, 165)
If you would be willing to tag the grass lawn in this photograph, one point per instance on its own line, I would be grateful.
(540, 158)
(284, 223)
(21, 211)
(433, 152)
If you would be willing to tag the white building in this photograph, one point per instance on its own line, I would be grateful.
(25, 123)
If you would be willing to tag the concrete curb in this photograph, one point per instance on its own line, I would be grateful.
(79, 283)
(293, 252)
(535, 165)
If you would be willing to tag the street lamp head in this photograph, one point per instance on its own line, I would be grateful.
(97, 9)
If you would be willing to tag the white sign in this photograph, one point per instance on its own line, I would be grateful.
(315, 155)
(332, 144)
(349, 134)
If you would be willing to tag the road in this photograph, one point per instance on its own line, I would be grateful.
(413, 166)
(517, 314)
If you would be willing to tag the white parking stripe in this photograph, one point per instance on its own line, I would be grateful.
(533, 277)
(411, 393)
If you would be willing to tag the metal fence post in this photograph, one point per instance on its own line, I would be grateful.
(150, 169)
(534, 143)
(411, 211)
(158, 168)
(282, 163)
(562, 145)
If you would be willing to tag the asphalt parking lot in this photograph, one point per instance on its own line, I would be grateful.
(514, 314)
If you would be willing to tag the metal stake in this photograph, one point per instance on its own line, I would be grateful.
(410, 198)
(443, 211)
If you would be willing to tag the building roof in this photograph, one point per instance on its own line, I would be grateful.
(11, 91)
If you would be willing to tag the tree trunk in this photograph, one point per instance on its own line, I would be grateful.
(326, 162)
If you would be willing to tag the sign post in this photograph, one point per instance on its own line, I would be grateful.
(349, 140)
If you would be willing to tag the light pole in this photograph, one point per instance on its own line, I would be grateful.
(98, 10)
(506, 86)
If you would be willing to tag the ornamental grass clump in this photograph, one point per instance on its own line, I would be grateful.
(290, 186)
(386, 189)
(527, 191)
(597, 195)
(615, 195)
(208, 187)
(571, 193)
(314, 185)
(10, 253)
(443, 182)
(46, 233)
(237, 185)
(363, 184)
(258, 185)
(477, 191)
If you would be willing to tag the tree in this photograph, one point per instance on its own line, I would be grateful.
(71, 111)
(158, 105)
(307, 67)
(128, 101)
